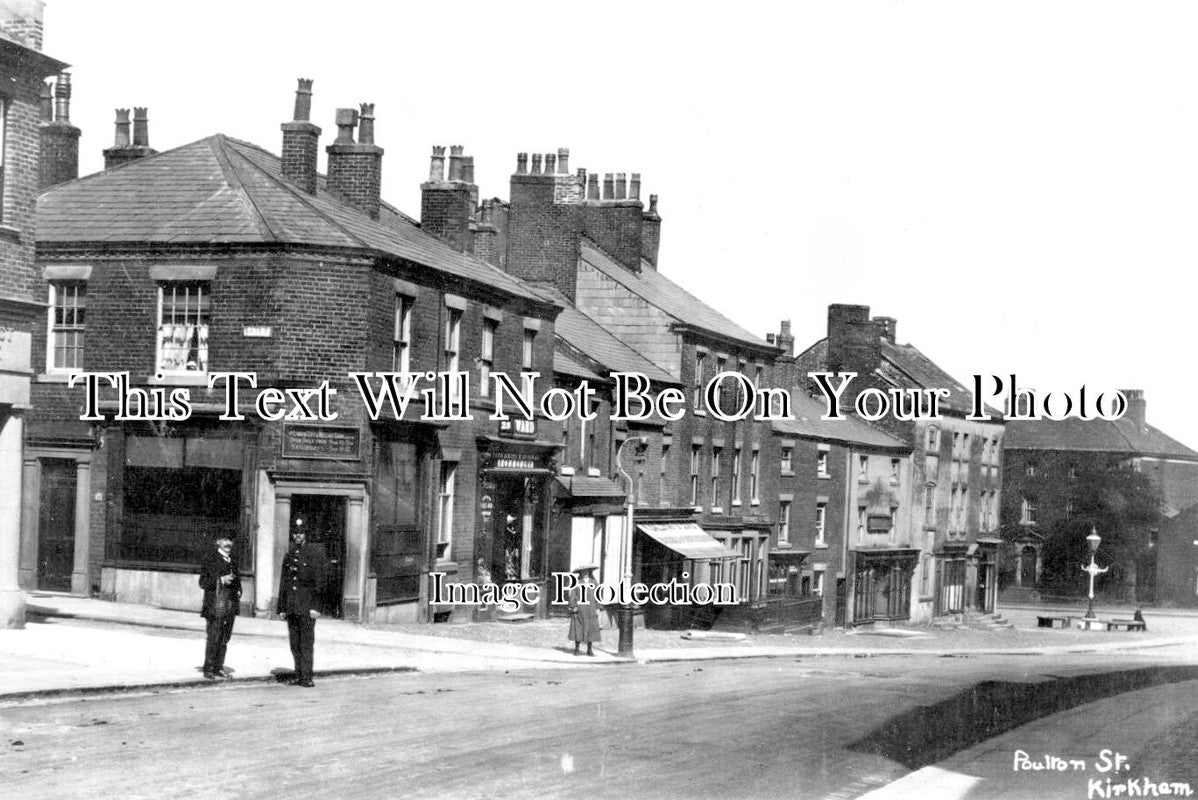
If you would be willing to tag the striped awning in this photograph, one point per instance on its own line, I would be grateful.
(687, 540)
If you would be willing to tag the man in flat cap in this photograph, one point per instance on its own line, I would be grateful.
(301, 589)
(222, 596)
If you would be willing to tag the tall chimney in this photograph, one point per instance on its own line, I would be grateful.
(886, 327)
(355, 168)
(123, 149)
(1137, 408)
(650, 232)
(59, 139)
(784, 340)
(301, 141)
(853, 341)
(447, 206)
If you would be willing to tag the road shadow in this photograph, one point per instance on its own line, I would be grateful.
(928, 734)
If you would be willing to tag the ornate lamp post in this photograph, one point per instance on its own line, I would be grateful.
(625, 613)
(1093, 569)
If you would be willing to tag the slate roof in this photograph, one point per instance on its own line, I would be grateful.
(221, 190)
(904, 366)
(658, 290)
(808, 425)
(589, 337)
(565, 365)
(1095, 435)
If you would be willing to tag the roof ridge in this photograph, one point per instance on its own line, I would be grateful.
(222, 155)
(305, 198)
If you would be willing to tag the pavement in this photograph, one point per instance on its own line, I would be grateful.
(80, 645)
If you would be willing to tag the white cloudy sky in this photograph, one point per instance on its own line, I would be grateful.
(1015, 182)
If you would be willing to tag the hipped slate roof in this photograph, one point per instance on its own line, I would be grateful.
(220, 190)
(596, 342)
(808, 425)
(1122, 436)
(658, 290)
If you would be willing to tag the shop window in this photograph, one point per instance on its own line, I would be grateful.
(184, 309)
(68, 307)
(397, 549)
(179, 491)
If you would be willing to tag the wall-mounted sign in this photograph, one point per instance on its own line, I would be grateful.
(518, 428)
(322, 441)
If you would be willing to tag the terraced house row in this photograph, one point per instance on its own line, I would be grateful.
(220, 256)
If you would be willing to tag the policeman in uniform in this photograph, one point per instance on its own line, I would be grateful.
(301, 587)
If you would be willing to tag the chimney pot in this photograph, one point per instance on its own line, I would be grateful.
(141, 127)
(593, 186)
(455, 162)
(621, 186)
(550, 163)
(634, 187)
(563, 160)
(436, 168)
(652, 204)
(536, 163)
(346, 120)
(608, 186)
(122, 128)
(46, 100)
(62, 98)
(521, 163)
(366, 128)
(468, 169)
(303, 100)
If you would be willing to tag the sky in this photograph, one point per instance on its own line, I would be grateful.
(1014, 182)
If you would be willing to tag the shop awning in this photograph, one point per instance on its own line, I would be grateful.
(687, 540)
(590, 486)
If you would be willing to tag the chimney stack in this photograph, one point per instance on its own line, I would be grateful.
(1137, 408)
(447, 206)
(853, 340)
(58, 138)
(521, 163)
(125, 149)
(301, 141)
(650, 230)
(355, 168)
(563, 160)
(536, 163)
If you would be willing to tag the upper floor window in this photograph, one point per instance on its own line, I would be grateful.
(68, 304)
(787, 455)
(697, 402)
(932, 439)
(401, 357)
(449, 477)
(784, 522)
(929, 505)
(895, 467)
(3, 150)
(453, 339)
(486, 356)
(821, 464)
(717, 455)
(736, 476)
(1028, 511)
(184, 309)
(821, 520)
(1030, 469)
(695, 475)
(526, 357)
(755, 477)
(863, 468)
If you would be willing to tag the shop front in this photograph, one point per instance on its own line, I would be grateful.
(881, 585)
(681, 551)
(513, 508)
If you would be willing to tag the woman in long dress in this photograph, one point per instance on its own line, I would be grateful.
(584, 610)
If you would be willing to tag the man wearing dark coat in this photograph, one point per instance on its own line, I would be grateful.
(222, 595)
(301, 587)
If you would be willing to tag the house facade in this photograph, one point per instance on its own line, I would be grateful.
(220, 257)
(23, 68)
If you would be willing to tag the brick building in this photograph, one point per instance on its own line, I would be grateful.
(220, 256)
(844, 497)
(22, 69)
(705, 507)
(1043, 461)
(950, 552)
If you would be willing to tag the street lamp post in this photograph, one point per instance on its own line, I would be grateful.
(624, 616)
(1093, 569)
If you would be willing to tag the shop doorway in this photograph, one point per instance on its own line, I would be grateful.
(519, 540)
(322, 517)
(56, 525)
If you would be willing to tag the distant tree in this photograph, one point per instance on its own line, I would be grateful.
(1123, 506)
